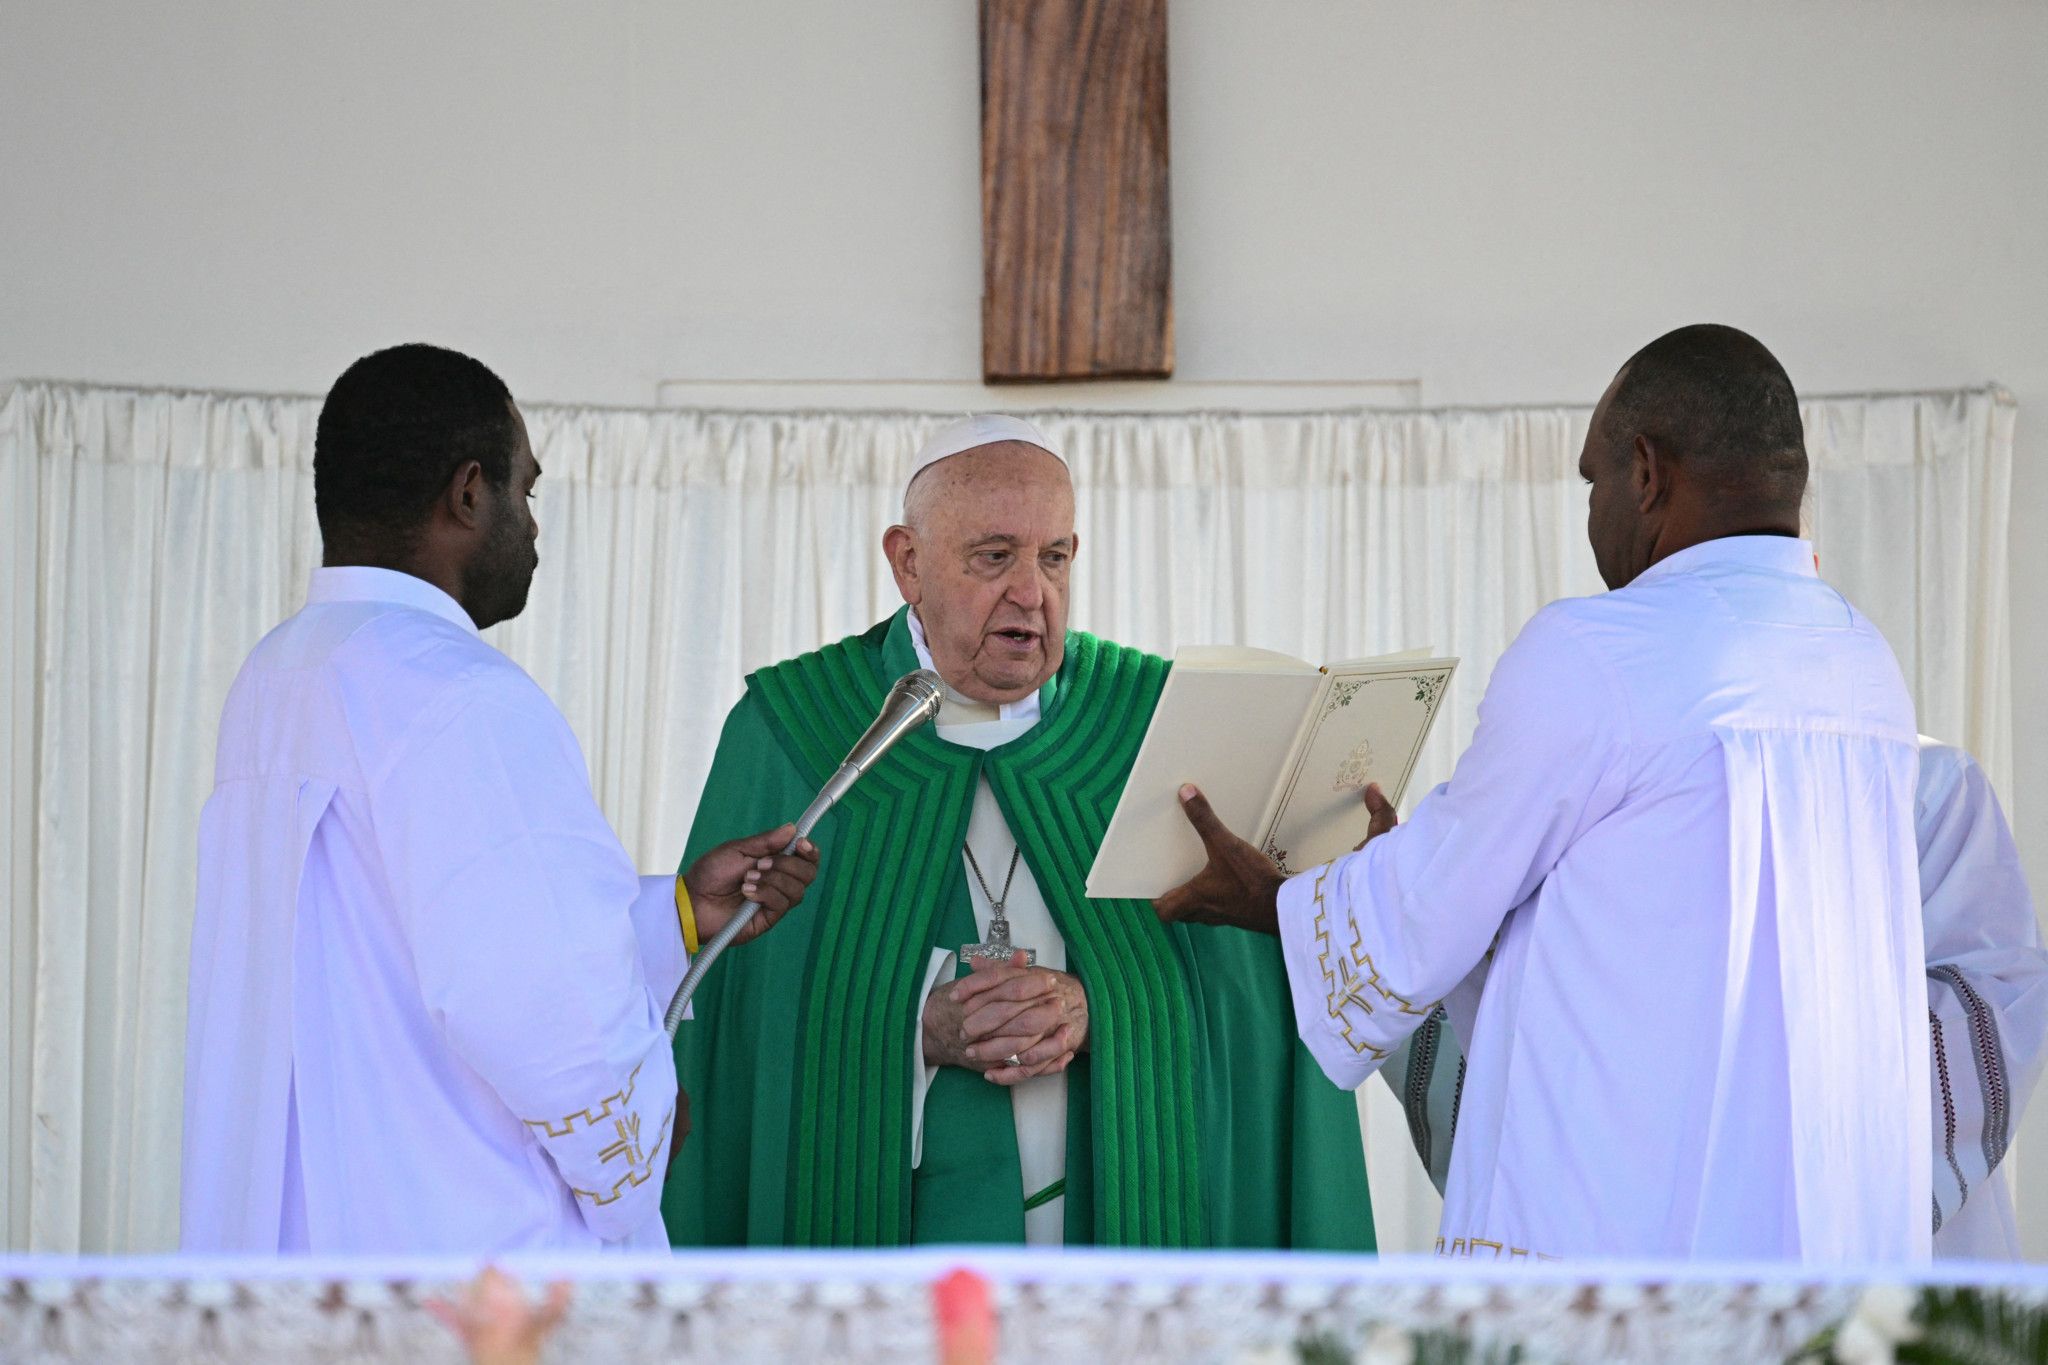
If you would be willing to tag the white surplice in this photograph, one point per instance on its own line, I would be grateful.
(1038, 1106)
(1987, 998)
(426, 989)
(1987, 1001)
(1685, 827)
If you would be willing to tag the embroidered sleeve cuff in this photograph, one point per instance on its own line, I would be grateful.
(611, 1152)
(1335, 987)
(1972, 1089)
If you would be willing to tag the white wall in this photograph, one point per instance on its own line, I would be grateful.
(1500, 200)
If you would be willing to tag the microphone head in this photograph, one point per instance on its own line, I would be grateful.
(913, 700)
(924, 686)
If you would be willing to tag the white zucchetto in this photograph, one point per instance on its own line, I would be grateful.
(956, 438)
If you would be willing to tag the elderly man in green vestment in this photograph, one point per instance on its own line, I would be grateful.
(948, 1041)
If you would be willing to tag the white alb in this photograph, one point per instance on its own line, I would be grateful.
(426, 991)
(1685, 829)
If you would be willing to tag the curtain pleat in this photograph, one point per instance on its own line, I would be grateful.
(151, 538)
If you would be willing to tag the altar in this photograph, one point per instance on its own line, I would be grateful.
(1070, 1307)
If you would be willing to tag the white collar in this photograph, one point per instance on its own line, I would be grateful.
(1781, 554)
(365, 583)
(1024, 709)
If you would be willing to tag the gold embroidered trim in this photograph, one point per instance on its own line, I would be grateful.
(628, 1144)
(1353, 976)
(639, 1163)
(588, 1117)
(1471, 1247)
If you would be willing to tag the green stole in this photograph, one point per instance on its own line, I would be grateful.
(878, 913)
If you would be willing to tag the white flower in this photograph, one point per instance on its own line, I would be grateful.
(1858, 1343)
(1882, 1320)
(1385, 1344)
(1889, 1308)
(1272, 1353)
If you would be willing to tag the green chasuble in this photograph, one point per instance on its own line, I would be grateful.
(1195, 1117)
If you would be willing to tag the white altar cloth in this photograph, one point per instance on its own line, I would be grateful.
(1073, 1305)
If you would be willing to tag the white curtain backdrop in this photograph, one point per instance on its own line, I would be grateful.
(148, 539)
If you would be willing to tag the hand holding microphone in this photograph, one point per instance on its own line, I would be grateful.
(912, 702)
(771, 869)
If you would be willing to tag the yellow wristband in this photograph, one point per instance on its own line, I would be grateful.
(687, 916)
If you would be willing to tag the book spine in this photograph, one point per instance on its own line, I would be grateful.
(1276, 799)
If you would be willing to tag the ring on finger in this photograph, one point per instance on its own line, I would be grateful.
(1013, 1060)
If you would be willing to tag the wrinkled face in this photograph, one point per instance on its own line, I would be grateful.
(1614, 519)
(498, 577)
(984, 559)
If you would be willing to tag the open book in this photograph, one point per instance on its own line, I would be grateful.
(1282, 749)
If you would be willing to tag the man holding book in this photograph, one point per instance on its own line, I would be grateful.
(954, 1043)
(1987, 1000)
(1684, 831)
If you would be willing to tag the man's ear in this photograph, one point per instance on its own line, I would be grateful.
(463, 499)
(1650, 474)
(899, 543)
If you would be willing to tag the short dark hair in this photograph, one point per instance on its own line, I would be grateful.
(1720, 404)
(394, 429)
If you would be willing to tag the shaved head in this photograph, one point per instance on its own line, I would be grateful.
(1698, 436)
(1717, 400)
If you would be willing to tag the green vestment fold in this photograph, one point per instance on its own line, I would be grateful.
(1195, 1118)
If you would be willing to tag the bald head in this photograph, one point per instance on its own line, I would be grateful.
(983, 557)
(1718, 401)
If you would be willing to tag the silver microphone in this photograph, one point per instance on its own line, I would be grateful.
(912, 701)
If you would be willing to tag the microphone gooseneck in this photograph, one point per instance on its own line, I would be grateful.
(912, 701)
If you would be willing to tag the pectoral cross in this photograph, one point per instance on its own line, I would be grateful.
(998, 948)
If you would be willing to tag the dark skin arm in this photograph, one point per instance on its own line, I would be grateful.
(727, 876)
(753, 868)
(680, 1129)
(1239, 886)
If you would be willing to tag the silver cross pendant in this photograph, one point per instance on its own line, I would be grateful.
(998, 948)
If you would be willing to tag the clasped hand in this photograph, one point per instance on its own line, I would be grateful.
(1003, 1010)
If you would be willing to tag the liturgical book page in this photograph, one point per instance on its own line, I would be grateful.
(1282, 749)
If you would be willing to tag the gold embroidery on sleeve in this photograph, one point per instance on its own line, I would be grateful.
(590, 1118)
(1355, 979)
(628, 1145)
(1471, 1247)
(639, 1162)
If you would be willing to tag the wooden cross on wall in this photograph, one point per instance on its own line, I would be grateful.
(1077, 258)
